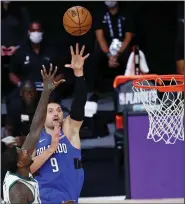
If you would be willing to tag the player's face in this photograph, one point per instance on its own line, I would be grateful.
(24, 159)
(54, 114)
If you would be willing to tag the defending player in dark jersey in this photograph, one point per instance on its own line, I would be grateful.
(19, 186)
(58, 156)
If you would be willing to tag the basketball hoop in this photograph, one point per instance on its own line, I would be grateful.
(166, 109)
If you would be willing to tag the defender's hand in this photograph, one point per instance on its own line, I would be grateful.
(77, 60)
(48, 79)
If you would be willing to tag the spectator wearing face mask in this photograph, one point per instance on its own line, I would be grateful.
(113, 29)
(114, 25)
(33, 53)
(27, 62)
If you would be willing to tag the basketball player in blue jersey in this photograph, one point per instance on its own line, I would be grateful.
(57, 158)
(19, 186)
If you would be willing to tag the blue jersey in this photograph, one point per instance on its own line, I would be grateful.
(58, 179)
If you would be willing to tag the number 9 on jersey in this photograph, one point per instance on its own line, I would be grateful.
(54, 164)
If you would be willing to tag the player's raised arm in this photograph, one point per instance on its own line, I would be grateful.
(80, 93)
(40, 114)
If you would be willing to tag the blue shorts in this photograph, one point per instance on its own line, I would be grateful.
(52, 196)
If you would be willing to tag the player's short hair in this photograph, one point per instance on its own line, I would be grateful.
(51, 100)
(10, 159)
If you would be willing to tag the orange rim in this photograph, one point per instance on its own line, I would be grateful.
(169, 88)
(123, 79)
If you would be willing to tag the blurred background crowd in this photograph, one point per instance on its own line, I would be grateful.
(32, 35)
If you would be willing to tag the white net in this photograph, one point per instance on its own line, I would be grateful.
(165, 112)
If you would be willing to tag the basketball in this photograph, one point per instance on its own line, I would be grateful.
(77, 20)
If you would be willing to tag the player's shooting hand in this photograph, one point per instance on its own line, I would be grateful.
(77, 61)
(55, 136)
(48, 78)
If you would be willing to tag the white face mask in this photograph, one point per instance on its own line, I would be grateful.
(110, 4)
(35, 37)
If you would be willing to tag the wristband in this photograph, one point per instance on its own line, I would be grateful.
(79, 99)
